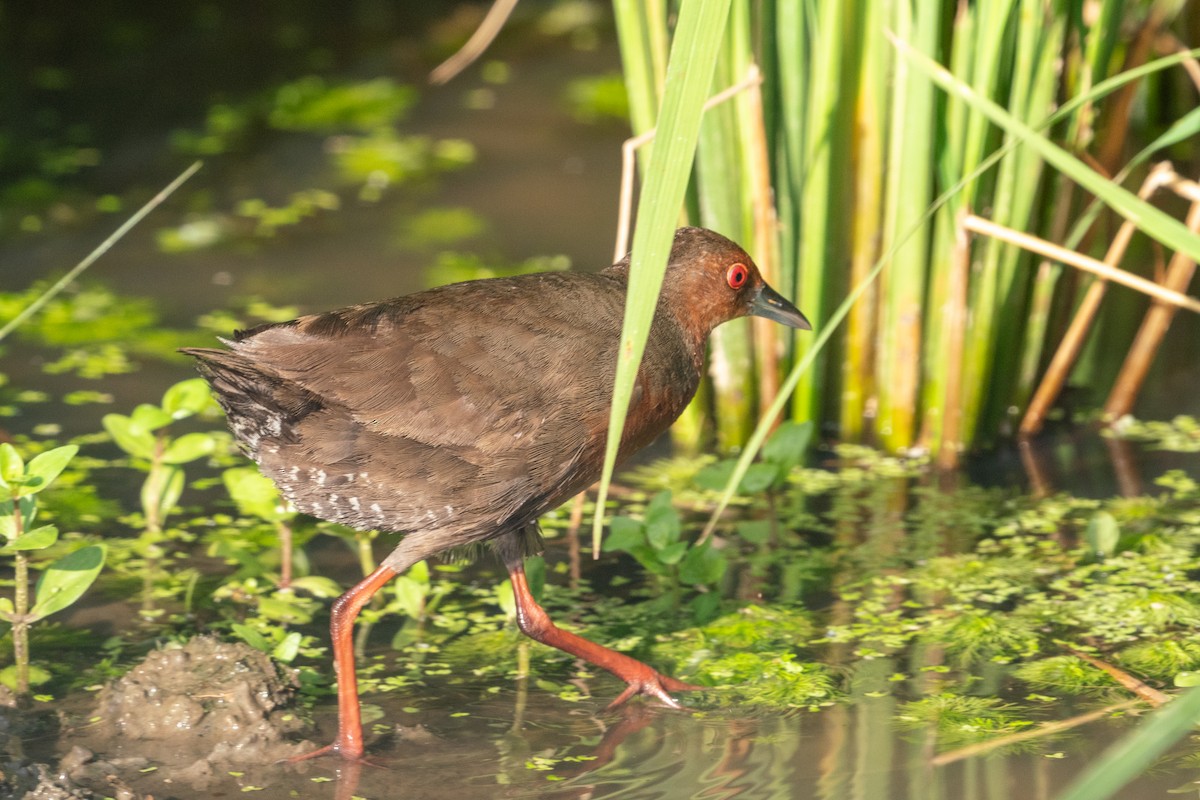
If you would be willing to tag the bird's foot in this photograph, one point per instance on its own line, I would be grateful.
(348, 754)
(654, 684)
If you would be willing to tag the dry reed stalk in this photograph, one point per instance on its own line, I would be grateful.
(475, 46)
(1047, 729)
(1070, 257)
(955, 331)
(1134, 684)
(1150, 335)
(629, 163)
(1068, 351)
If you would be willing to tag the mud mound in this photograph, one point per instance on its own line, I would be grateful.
(208, 703)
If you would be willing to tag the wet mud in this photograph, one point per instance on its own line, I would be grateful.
(195, 712)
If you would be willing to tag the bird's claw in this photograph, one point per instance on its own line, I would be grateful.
(654, 685)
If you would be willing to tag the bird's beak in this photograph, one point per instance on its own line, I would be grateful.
(772, 305)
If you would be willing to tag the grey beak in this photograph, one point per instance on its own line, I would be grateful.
(772, 305)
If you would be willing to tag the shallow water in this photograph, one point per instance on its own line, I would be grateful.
(547, 185)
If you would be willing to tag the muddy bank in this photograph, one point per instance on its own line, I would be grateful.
(190, 713)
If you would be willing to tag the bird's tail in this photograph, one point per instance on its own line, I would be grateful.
(259, 404)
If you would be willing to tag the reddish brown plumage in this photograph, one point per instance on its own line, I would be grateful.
(460, 414)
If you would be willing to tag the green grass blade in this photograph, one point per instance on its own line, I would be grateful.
(1157, 224)
(1134, 753)
(689, 78)
(100, 250)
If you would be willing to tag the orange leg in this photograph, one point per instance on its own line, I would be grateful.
(534, 623)
(349, 741)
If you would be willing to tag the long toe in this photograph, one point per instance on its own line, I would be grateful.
(655, 685)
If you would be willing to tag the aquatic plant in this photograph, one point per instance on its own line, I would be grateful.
(144, 436)
(62, 582)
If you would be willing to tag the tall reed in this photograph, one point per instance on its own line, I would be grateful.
(860, 141)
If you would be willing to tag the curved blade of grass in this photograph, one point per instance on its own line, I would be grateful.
(100, 250)
(1157, 224)
(689, 78)
(835, 319)
(1133, 753)
(1182, 129)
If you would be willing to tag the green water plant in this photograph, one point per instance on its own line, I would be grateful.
(256, 496)
(656, 542)
(145, 436)
(64, 580)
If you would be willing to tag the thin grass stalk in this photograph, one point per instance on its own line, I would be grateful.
(98, 251)
(1116, 128)
(981, 33)
(791, 91)
(725, 205)
(821, 255)
(1085, 263)
(1039, 43)
(641, 26)
(858, 366)
(908, 194)
(995, 31)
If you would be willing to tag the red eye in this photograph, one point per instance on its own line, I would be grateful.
(737, 275)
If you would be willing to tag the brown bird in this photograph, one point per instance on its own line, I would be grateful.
(459, 415)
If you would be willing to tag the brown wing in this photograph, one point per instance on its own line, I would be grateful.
(446, 405)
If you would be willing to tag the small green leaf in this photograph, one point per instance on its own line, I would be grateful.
(754, 531)
(760, 477)
(650, 559)
(505, 599)
(662, 522)
(703, 566)
(706, 606)
(136, 441)
(786, 446)
(251, 637)
(12, 467)
(253, 493)
(279, 610)
(535, 575)
(66, 580)
(149, 418)
(1102, 535)
(419, 571)
(1187, 679)
(44, 468)
(8, 520)
(624, 534)
(36, 539)
(410, 595)
(188, 447)
(715, 476)
(37, 676)
(186, 398)
(287, 650)
(6, 608)
(673, 553)
(317, 586)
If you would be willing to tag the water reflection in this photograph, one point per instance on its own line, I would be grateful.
(854, 750)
